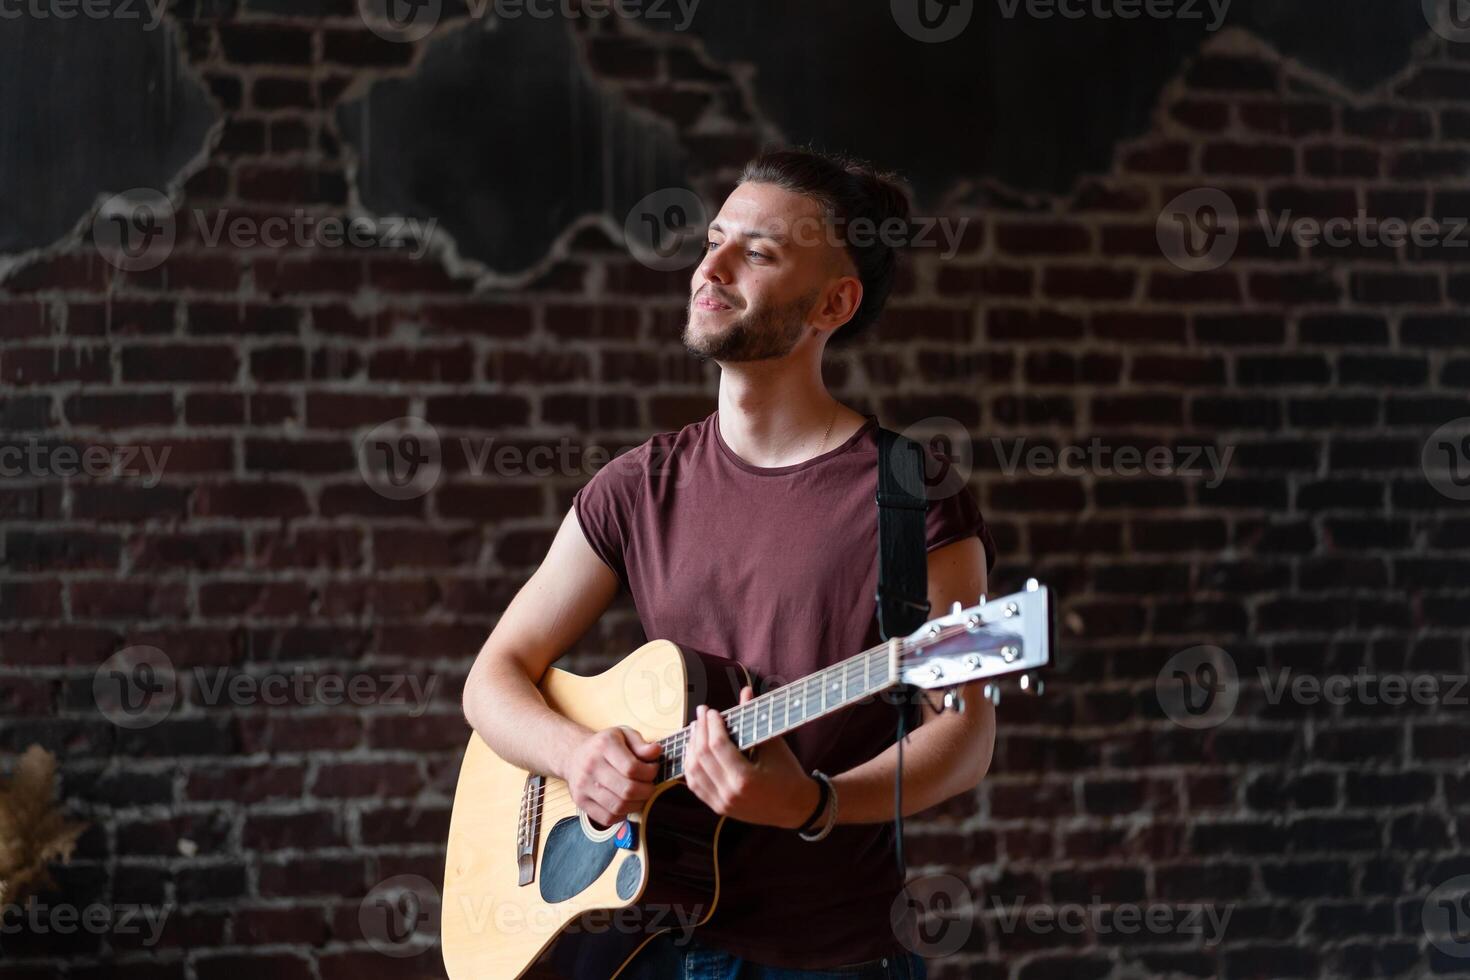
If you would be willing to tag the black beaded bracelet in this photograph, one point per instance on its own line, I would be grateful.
(822, 791)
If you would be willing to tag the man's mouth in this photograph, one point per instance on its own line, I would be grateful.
(706, 302)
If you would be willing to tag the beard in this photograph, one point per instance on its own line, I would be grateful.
(755, 336)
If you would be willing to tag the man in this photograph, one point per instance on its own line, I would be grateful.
(752, 534)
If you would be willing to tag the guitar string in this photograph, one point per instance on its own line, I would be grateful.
(675, 744)
(858, 668)
(735, 715)
(560, 793)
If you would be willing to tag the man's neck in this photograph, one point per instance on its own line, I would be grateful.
(780, 414)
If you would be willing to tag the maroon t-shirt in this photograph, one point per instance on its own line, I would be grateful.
(774, 567)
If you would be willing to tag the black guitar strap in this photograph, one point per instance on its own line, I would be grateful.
(903, 561)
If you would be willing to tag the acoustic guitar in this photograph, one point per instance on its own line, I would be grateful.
(534, 888)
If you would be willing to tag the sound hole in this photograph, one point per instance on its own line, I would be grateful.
(572, 862)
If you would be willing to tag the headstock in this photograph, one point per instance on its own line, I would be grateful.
(987, 641)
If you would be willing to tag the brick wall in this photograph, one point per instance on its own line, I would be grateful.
(263, 550)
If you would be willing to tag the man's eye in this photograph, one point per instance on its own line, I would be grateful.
(756, 255)
(710, 245)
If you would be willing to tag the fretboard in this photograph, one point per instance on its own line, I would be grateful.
(777, 712)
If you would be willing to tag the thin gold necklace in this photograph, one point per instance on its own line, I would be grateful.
(829, 429)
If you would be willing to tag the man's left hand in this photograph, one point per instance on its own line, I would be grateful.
(772, 789)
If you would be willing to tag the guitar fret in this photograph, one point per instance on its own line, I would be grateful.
(787, 708)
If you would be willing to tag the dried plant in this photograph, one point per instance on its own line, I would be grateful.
(33, 832)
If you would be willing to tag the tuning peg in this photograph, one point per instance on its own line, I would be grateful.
(1031, 684)
(954, 701)
(1032, 585)
(992, 692)
(982, 600)
(956, 608)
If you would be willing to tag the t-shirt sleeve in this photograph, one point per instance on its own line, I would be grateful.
(955, 517)
(605, 507)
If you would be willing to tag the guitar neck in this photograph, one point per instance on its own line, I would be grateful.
(787, 708)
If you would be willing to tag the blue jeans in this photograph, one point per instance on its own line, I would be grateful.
(662, 960)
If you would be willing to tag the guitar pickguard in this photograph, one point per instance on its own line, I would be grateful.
(572, 861)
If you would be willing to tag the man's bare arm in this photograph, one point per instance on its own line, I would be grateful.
(608, 771)
(949, 753)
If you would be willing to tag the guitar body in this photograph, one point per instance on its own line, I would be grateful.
(592, 900)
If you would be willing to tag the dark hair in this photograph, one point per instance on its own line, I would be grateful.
(849, 191)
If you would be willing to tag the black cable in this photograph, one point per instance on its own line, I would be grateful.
(898, 789)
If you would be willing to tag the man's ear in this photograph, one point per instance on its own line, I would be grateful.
(840, 302)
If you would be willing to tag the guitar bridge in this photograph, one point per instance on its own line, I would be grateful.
(528, 828)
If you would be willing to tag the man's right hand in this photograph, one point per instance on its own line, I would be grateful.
(612, 773)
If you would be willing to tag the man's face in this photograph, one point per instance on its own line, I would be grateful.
(767, 260)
